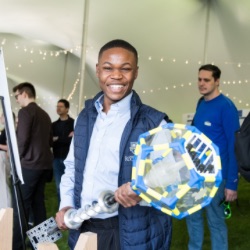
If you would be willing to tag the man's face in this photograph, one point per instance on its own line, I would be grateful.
(20, 98)
(116, 69)
(206, 83)
(61, 109)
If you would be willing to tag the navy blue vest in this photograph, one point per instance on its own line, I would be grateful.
(140, 227)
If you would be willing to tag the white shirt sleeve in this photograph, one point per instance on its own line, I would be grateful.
(68, 179)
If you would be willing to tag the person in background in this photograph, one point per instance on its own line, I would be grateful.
(62, 135)
(100, 158)
(217, 117)
(34, 139)
(5, 200)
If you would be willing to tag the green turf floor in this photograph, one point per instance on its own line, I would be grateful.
(238, 224)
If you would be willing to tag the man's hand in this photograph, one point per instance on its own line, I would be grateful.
(125, 196)
(230, 195)
(60, 218)
(71, 134)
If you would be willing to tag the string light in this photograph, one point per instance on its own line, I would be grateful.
(44, 51)
(74, 89)
(189, 84)
(57, 52)
(3, 42)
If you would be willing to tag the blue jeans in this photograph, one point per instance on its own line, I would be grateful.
(58, 168)
(216, 223)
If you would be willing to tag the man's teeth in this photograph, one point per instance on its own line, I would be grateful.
(116, 86)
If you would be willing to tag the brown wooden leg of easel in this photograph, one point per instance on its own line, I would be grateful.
(86, 241)
(6, 231)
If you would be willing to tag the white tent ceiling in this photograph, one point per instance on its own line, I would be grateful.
(42, 43)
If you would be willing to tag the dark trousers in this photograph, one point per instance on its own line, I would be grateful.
(58, 169)
(33, 201)
(107, 231)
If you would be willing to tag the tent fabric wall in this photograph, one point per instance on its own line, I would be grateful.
(173, 39)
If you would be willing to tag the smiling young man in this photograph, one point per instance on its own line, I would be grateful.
(217, 117)
(100, 158)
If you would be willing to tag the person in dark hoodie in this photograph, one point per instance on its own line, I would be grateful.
(62, 134)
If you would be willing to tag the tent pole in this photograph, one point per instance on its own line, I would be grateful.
(64, 74)
(206, 31)
(83, 53)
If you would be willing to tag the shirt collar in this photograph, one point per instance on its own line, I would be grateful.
(122, 106)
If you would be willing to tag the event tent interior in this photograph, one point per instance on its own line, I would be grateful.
(54, 45)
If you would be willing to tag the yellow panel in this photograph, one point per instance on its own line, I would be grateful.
(148, 161)
(173, 134)
(187, 135)
(154, 194)
(142, 141)
(194, 209)
(165, 194)
(155, 130)
(208, 152)
(137, 149)
(145, 197)
(209, 178)
(188, 160)
(133, 173)
(218, 161)
(176, 211)
(183, 191)
(180, 126)
(166, 211)
(167, 152)
(141, 167)
(213, 191)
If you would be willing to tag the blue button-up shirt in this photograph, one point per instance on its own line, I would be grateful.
(102, 163)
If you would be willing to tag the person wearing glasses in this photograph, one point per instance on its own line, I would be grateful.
(34, 139)
(217, 117)
(101, 154)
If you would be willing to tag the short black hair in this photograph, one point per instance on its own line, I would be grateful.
(66, 103)
(26, 87)
(119, 43)
(216, 72)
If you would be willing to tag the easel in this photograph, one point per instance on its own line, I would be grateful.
(15, 180)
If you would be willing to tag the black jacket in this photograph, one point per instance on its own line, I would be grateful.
(62, 129)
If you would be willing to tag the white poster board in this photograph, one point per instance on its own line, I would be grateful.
(4, 92)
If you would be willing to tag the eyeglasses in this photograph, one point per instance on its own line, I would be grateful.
(227, 209)
(16, 96)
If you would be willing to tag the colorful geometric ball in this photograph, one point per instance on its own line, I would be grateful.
(176, 169)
